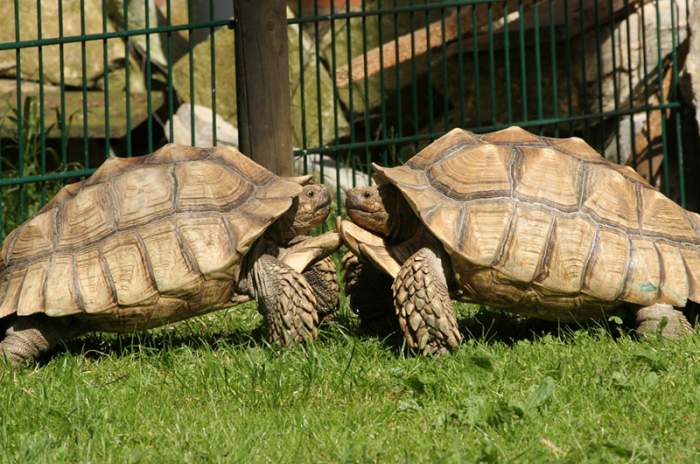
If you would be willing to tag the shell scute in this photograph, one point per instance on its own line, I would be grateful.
(129, 269)
(660, 215)
(524, 250)
(611, 198)
(250, 221)
(605, 276)
(11, 288)
(112, 167)
(154, 183)
(61, 292)
(241, 163)
(568, 255)
(546, 176)
(674, 279)
(94, 288)
(576, 147)
(174, 153)
(691, 260)
(454, 140)
(34, 237)
(485, 231)
(512, 135)
(171, 271)
(31, 298)
(447, 222)
(630, 173)
(66, 193)
(202, 185)
(644, 277)
(208, 241)
(455, 175)
(87, 217)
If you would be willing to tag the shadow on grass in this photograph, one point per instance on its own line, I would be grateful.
(185, 334)
(495, 326)
(477, 323)
(191, 334)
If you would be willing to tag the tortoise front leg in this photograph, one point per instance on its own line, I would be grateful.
(649, 321)
(423, 305)
(285, 300)
(321, 275)
(29, 337)
(323, 279)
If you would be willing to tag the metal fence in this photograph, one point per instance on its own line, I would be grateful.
(370, 81)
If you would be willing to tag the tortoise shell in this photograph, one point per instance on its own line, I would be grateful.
(542, 223)
(143, 240)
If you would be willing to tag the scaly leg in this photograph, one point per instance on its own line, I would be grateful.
(422, 302)
(322, 277)
(649, 321)
(30, 337)
(285, 300)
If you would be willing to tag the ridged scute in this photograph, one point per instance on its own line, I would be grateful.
(143, 234)
(530, 221)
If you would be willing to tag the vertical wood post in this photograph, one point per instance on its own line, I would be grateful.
(262, 84)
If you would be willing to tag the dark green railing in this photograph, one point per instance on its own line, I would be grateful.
(545, 67)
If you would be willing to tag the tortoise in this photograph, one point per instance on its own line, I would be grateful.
(155, 239)
(543, 227)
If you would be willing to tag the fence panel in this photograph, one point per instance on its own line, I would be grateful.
(370, 81)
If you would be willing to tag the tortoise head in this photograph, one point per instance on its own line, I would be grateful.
(312, 207)
(370, 208)
(309, 209)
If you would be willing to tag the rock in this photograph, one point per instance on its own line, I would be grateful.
(200, 13)
(629, 66)
(226, 134)
(72, 53)
(578, 90)
(305, 126)
(142, 13)
(363, 36)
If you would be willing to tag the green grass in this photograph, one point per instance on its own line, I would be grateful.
(210, 389)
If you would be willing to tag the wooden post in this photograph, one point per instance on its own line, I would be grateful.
(262, 84)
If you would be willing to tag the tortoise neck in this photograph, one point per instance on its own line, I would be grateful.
(282, 230)
(403, 222)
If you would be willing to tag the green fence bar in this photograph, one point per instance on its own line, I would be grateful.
(384, 78)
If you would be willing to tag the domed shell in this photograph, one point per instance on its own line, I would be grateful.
(149, 237)
(530, 220)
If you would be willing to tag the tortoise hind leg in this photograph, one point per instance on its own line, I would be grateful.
(29, 337)
(285, 300)
(422, 302)
(649, 321)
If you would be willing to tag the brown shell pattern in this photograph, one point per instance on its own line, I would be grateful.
(142, 237)
(533, 221)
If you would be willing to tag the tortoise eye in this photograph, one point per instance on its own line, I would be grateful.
(366, 195)
(311, 194)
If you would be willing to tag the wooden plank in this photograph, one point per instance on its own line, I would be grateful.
(262, 84)
(417, 43)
